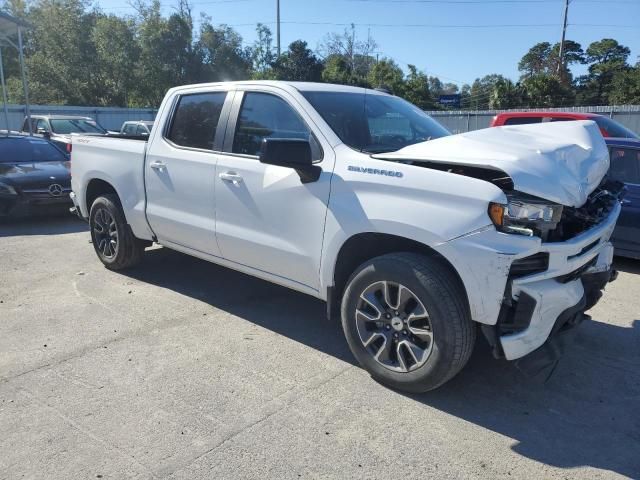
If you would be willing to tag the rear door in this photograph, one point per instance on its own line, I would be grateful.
(625, 167)
(266, 217)
(180, 171)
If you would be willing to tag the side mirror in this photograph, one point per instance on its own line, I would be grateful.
(291, 153)
(42, 131)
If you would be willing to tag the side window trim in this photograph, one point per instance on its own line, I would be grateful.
(222, 120)
(234, 116)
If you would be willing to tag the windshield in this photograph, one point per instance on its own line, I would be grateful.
(614, 129)
(374, 123)
(28, 150)
(75, 125)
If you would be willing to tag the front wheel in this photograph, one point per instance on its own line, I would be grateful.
(406, 320)
(112, 238)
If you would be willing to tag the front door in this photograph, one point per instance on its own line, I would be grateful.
(180, 172)
(625, 167)
(266, 217)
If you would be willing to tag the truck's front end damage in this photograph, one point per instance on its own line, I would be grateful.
(531, 275)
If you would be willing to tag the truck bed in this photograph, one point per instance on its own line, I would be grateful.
(117, 161)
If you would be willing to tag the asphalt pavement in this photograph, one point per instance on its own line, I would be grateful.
(181, 369)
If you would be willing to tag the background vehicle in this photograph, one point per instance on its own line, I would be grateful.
(141, 128)
(625, 167)
(608, 127)
(360, 199)
(58, 128)
(34, 177)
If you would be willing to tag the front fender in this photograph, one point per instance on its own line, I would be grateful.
(427, 206)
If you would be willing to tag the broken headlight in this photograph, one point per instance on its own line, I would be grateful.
(525, 216)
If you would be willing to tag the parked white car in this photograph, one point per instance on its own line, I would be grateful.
(360, 199)
(140, 128)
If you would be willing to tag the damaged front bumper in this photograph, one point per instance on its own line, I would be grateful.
(526, 292)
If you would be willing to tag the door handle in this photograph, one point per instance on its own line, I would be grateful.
(232, 177)
(157, 165)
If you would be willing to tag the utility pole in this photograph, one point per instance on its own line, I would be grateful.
(278, 25)
(564, 32)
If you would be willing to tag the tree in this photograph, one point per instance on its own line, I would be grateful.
(298, 63)
(545, 90)
(482, 89)
(357, 55)
(223, 57)
(116, 55)
(607, 59)
(61, 57)
(387, 74)
(543, 58)
(416, 89)
(336, 70)
(505, 94)
(625, 88)
(262, 54)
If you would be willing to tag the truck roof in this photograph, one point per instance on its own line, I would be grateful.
(299, 86)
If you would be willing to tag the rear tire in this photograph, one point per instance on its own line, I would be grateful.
(112, 238)
(407, 321)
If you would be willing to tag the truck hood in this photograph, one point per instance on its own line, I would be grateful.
(561, 161)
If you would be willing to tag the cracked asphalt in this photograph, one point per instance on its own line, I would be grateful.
(181, 369)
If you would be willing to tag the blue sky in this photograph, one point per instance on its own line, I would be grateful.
(459, 54)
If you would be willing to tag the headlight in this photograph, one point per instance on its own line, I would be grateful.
(525, 216)
(7, 189)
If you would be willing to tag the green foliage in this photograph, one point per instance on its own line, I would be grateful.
(626, 87)
(416, 89)
(298, 63)
(77, 54)
(388, 75)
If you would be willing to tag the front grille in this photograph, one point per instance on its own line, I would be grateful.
(598, 206)
(536, 263)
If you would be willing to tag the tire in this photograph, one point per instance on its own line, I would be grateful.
(108, 224)
(430, 337)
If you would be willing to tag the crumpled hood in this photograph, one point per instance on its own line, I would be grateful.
(560, 161)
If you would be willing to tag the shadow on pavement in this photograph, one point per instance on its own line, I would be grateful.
(49, 225)
(587, 414)
(627, 265)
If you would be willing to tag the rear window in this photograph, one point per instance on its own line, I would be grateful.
(195, 120)
(614, 129)
(28, 150)
(65, 126)
(522, 120)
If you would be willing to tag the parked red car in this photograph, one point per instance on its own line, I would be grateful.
(608, 127)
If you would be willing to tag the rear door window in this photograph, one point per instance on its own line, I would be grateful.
(625, 165)
(195, 120)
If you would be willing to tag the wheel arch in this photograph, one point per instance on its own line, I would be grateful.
(364, 246)
(95, 188)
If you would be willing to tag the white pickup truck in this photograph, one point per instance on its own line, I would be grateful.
(360, 199)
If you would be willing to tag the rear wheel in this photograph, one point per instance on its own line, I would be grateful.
(406, 320)
(112, 238)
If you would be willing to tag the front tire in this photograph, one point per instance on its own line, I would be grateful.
(112, 238)
(407, 322)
